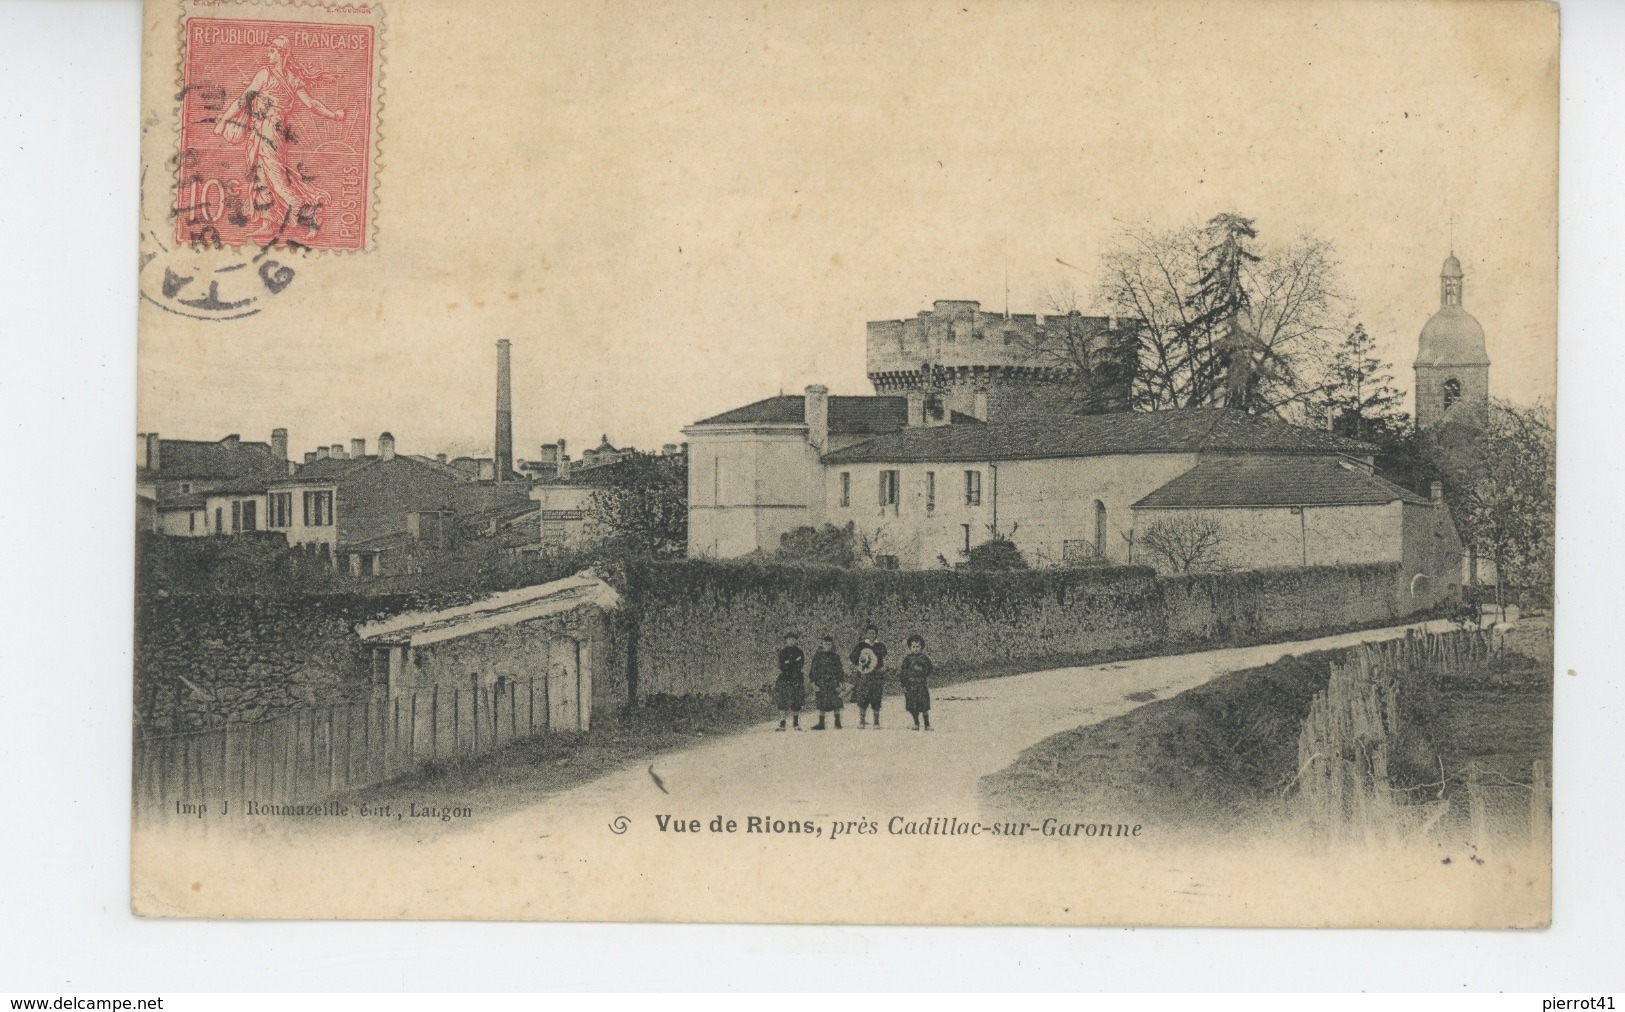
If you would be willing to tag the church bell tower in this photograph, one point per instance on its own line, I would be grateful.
(1452, 367)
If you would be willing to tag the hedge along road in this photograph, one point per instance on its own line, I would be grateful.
(980, 727)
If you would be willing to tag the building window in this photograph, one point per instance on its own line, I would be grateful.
(318, 509)
(966, 547)
(886, 562)
(191, 523)
(251, 511)
(236, 516)
(219, 520)
(846, 488)
(431, 529)
(930, 491)
(279, 509)
(973, 488)
(1100, 529)
(1452, 392)
(888, 488)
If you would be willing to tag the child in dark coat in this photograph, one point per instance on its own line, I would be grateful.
(869, 656)
(827, 676)
(790, 690)
(916, 678)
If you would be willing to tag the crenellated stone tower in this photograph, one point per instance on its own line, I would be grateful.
(997, 366)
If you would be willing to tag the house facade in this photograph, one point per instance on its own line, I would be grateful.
(1249, 513)
(175, 480)
(1065, 490)
(755, 473)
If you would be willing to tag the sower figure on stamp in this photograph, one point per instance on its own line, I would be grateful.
(827, 676)
(261, 118)
(790, 690)
(916, 678)
(870, 658)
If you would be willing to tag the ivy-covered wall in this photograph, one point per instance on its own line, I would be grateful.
(714, 627)
(709, 628)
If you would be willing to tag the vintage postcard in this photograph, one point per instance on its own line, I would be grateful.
(841, 462)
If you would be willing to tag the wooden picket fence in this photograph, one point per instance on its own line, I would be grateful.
(1344, 793)
(309, 754)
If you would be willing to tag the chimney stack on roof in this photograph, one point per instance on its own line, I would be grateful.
(386, 446)
(151, 458)
(321, 453)
(279, 444)
(440, 458)
(503, 462)
(358, 448)
(816, 415)
(310, 456)
(1436, 491)
(916, 407)
(669, 449)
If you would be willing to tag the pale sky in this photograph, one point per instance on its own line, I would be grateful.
(676, 209)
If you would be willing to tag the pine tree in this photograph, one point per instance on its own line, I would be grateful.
(1359, 397)
(1222, 355)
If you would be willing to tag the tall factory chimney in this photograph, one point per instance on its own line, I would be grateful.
(503, 464)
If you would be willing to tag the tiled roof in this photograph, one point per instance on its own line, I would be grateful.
(848, 415)
(597, 474)
(335, 468)
(204, 460)
(331, 467)
(1277, 481)
(862, 416)
(781, 410)
(1189, 430)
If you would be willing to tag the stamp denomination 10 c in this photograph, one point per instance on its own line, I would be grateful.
(277, 129)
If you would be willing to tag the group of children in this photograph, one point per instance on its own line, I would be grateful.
(868, 688)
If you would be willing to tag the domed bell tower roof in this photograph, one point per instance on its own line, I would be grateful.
(1452, 337)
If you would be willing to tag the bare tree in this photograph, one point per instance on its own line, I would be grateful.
(1223, 318)
(1501, 488)
(1099, 363)
(1187, 543)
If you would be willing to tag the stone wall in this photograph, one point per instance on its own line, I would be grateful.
(711, 628)
(203, 659)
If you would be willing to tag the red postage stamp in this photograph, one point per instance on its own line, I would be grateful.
(276, 140)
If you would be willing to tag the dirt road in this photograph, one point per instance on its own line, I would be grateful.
(980, 728)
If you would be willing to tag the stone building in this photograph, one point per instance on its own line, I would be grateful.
(754, 472)
(553, 642)
(1066, 490)
(996, 367)
(388, 505)
(1292, 510)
